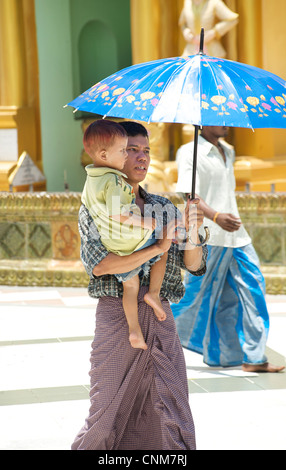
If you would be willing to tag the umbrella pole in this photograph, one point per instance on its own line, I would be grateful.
(195, 157)
(193, 195)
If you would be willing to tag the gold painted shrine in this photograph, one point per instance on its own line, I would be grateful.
(40, 242)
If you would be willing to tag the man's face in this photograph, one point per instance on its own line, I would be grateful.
(218, 131)
(138, 161)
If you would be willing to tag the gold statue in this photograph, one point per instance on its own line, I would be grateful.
(216, 19)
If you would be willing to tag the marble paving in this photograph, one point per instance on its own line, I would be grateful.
(45, 338)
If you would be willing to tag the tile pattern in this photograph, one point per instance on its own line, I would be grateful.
(12, 240)
(42, 240)
(39, 241)
(264, 213)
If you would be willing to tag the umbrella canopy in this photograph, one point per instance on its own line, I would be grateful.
(198, 90)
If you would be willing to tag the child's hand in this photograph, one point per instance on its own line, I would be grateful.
(149, 223)
(167, 235)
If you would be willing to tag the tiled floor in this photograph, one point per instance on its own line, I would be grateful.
(45, 336)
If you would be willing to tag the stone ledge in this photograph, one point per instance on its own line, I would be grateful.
(53, 273)
(42, 205)
(45, 273)
(275, 279)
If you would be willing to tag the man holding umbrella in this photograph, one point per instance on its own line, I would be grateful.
(139, 399)
(223, 315)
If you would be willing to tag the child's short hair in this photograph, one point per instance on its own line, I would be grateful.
(101, 134)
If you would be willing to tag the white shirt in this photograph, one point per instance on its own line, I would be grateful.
(215, 184)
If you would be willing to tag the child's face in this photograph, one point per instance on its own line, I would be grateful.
(116, 154)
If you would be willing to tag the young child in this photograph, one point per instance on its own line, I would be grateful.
(111, 203)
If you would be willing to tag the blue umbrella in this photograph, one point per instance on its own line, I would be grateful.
(198, 90)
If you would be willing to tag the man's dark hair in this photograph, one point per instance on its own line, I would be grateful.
(134, 128)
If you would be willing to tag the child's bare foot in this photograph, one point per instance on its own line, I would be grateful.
(136, 340)
(153, 300)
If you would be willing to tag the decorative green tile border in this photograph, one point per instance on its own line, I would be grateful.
(32, 254)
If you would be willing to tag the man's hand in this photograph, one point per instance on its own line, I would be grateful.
(228, 222)
(194, 217)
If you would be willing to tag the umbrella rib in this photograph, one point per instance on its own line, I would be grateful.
(185, 78)
(182, 65)
(215, 80)
(123, 72)
(248, 115)
(135, 85)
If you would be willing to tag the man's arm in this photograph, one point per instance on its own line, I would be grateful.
(115, 264)
(227, 222)
(193, 255)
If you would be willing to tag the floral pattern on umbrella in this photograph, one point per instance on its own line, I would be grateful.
(199, 90)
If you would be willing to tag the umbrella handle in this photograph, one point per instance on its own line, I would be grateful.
(204, 242)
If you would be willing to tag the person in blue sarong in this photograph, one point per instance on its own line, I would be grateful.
(223, 314)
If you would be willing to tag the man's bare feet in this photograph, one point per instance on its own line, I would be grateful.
(262, 368)
(153, 300)
(136, 340)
